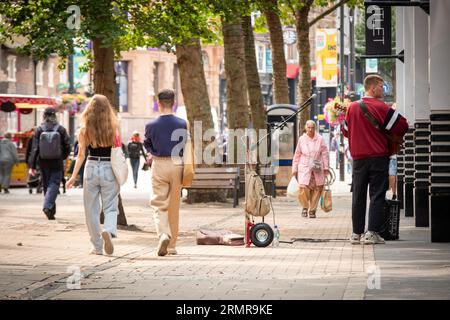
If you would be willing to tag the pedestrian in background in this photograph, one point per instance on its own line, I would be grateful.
(393, 175)
(310, 165)
(167, 170)
(51, 146)
(8, 158)
(135, 150)
(98, 133)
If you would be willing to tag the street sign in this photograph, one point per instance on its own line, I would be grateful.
(385, 87)
(378, 30)
(371, 65)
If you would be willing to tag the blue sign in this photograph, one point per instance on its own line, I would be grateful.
(386, 87)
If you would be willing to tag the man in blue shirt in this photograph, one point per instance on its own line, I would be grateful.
(165, 138)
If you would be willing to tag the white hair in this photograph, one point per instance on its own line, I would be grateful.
(310, 122)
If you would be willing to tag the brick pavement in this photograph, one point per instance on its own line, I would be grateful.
(37, 256)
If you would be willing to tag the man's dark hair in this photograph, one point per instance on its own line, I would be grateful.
(166, 97)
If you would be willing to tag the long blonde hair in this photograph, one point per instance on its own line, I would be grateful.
(99, 122)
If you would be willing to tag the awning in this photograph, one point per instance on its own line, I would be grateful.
(27, 99)
(9, 102)
(292, 71)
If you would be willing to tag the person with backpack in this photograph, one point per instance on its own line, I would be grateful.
(167, 163)
(8, 158)
(310, 165)
(51, 146)
(369, 125)
(99, 133)
(135, 149)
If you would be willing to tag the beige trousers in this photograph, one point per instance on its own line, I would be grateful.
(309, 198)
(165, 201)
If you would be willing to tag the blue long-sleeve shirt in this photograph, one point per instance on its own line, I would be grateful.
(165, 135)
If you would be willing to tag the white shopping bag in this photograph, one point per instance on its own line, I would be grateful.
(292, 188)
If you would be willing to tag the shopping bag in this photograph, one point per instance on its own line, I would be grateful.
(188, 161)
(292, 189)
(326, 199)
(118, 162)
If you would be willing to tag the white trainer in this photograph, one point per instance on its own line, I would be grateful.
(373, 238)
(107, 242)
(164, 240)
(356, 238)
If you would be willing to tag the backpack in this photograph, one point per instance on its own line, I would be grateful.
(257, 202)
(50, 144)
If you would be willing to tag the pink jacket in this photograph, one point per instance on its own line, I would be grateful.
(306, 150)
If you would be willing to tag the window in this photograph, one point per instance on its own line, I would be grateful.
(122, 84)
(156, 77)
(51, 75)
(39, 73)
(176, 86)
(261, 57)
(12, 68)
(205, 59)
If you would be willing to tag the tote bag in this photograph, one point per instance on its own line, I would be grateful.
(326, 202)
(118, 162)
(188, 161)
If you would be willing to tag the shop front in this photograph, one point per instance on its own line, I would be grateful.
(18, 118)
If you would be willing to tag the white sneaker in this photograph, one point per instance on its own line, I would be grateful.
(356, 238)
(372, 238)
(164, 240)
(107, 242)
(95, 251)
(172, 251)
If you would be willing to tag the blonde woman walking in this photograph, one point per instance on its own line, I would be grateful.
(98, 132)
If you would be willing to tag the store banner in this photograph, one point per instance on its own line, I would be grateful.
(378, 30)
(326, 58)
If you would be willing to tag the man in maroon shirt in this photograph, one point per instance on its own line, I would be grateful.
(369, 148)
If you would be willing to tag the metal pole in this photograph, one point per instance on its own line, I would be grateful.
(352, 50)
(71, 91)
(342, 59)
(35, 88)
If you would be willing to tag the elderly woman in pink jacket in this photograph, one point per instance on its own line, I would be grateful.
(310, 166)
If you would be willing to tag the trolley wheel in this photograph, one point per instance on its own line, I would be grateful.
(261, 234)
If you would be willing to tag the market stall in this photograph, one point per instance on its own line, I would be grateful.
(20, 121)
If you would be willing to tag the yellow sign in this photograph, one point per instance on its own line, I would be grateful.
(19, 174)
(320, 116)
(326, 58)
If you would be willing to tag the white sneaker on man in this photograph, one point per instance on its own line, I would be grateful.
(164, 240)
(356, 238)
(372, 238)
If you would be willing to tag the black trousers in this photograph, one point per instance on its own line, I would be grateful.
(372, 172)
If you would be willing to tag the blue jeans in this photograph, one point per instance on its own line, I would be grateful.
(135, 166)
(51, 180)
(100, 184)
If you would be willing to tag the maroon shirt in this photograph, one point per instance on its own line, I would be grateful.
(366, 141)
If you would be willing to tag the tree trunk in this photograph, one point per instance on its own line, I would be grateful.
(237, 95)
(104, 74)
(195, 94)
(193, 83)
(104, 83)
(280, 84)
(251, 70)
(304, 85)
